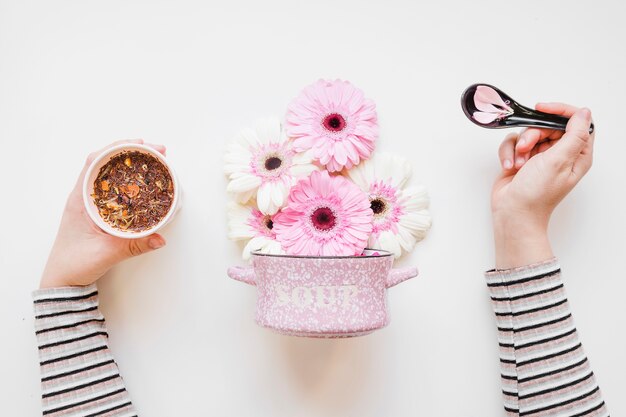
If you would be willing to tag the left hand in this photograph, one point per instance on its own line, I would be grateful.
(82, 253)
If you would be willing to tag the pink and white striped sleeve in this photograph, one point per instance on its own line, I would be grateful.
(544, 369)
(79, 376)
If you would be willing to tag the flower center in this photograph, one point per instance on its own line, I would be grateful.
(378, 205)
(273, 163)
(323, 219)
(334, 122)
(269, 223)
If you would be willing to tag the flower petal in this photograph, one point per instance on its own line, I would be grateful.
(268, 130)
(243, 182)
(264, 198)
(485, 96)
(485, 118)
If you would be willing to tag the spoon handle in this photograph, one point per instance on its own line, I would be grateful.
(533, 118)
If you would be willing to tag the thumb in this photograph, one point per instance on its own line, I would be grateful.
(576, 136)
(147, 244)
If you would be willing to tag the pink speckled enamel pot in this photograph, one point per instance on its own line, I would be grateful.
(322, 296)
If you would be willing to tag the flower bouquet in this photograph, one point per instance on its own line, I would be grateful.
(310, 197)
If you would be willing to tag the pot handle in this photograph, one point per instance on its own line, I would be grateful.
(243, 274)
(398, 275)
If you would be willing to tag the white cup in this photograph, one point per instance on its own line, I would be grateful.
(92, 173)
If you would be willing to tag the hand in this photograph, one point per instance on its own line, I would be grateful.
(82, 253)
(539, 168)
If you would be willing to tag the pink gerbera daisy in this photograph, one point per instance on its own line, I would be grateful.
(325, 216)
(246, 223)
(401, 217)
(261, 163)
(335, 121)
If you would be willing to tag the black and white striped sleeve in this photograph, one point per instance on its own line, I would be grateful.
(79, 376)
(544, 369)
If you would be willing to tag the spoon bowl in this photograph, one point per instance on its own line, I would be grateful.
(489, 107)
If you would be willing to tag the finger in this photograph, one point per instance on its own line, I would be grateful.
(576, 137)
(585, 160)
(532, 136)
(545, 146)
(534, 151)
(561, 109)
(506, 152)
(542, 147)
(157, 147)
(521, 158)
(136, 247)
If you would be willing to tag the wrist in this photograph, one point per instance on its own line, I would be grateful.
(56, 275)
(520, 239)
(52, 282)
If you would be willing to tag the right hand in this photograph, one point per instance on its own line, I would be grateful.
(540, 167)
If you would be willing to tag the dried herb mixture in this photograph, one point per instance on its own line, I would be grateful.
(133, 191)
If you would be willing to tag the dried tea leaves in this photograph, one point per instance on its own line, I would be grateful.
(133, 191)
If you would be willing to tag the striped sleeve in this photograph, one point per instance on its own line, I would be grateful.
(79, 376)
(544, 370)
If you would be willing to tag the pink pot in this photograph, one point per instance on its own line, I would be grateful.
(322, 296)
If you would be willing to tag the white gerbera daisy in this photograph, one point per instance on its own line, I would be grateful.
(401, 217)
(262, 163)
(246, 223)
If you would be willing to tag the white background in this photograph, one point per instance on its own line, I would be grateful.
(77, 75)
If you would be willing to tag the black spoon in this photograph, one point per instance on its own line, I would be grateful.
(488, 106)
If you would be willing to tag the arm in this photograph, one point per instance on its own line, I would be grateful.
(544, 369)
(78, 373)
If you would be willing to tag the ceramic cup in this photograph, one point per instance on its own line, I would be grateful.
(339, 296)
(92, 173)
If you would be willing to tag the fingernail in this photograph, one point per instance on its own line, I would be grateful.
(519, 161)
(521, 141)
(156, 243)
(507, 164)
